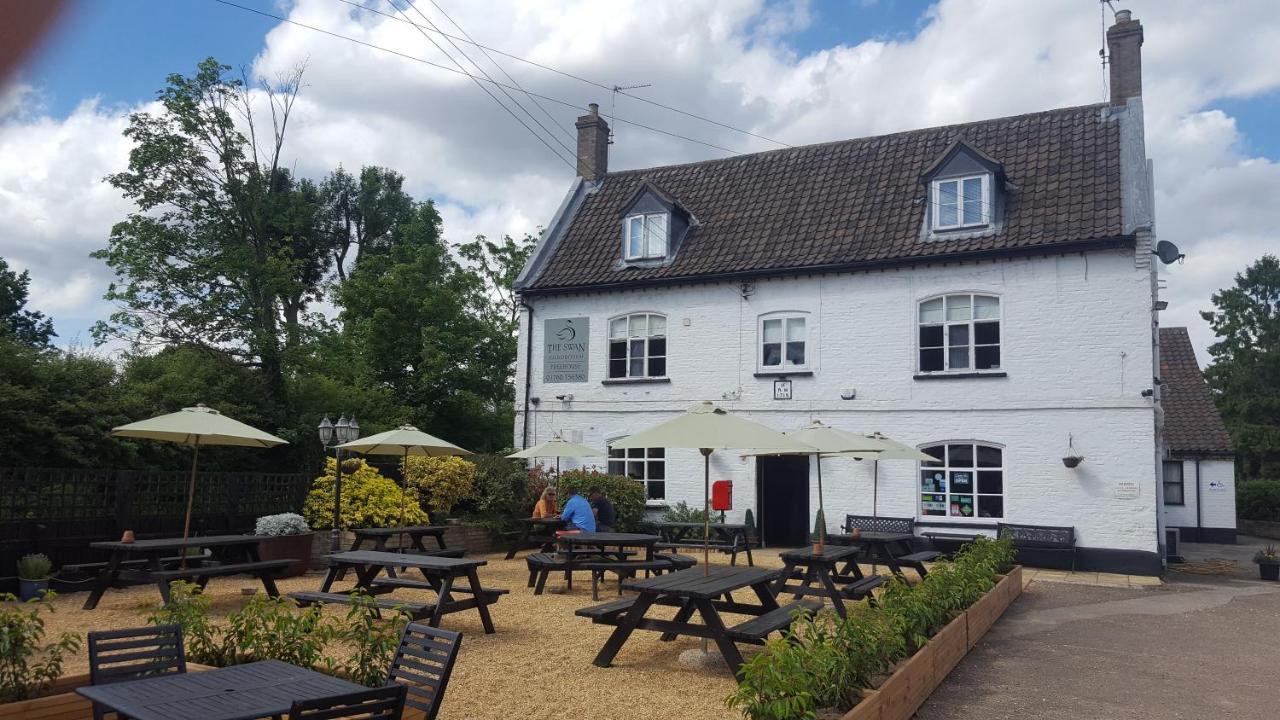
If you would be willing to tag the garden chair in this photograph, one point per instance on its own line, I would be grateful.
(133, 653)
(384, 703)
(423, 664)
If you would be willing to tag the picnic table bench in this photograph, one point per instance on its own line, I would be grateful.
(441, 576)
(535, 533)
(887, 541)
(602, 550)
(819, 576)
(728, 538)
(231, 555)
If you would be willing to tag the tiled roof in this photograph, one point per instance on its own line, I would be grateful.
(1192, 425)
(855, 202)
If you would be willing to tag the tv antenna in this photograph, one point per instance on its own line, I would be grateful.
(613, 109)
(1103, 6)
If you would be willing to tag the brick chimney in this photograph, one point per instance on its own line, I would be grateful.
(593, 145)
(1124, 46)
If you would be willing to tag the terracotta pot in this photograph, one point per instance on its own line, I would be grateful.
(127, 537)
(289, 547)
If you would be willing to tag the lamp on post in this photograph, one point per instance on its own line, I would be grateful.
(332, 435)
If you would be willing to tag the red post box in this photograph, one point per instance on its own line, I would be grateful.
(722, 495)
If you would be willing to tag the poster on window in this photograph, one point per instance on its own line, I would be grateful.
(564, 350)
(961, 482)
(932, 482)
(933, 504)
(961, 506)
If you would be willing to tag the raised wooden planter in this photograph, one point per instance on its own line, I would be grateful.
(61, 701)
(915, 678)
(297, 548)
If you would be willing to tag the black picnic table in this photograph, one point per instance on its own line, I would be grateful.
(380, 536)
(819, 576)
(229, 555)
(727, 537)
(536, 533)
(440, 575)
(882, 548)
(610, 543)
(239, 692)
(696, 590)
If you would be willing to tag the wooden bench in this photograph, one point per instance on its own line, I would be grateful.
(624, 569)
(133, 564)
(393, 583)
(916, 560)
(756, 629)
(731, 549)
(862, 588)
(606, 614)
(542, 564)
(1033, 542)
(262, 569)
(415, 610)
(449, 553)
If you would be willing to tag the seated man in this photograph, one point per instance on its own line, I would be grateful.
(606, 515)
(577, 513)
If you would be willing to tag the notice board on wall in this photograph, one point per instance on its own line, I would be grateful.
(566, 350)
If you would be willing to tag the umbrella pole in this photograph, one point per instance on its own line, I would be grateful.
(822, 536)
(191, 496)
(404, 483)
(875, 485)
(706, 512)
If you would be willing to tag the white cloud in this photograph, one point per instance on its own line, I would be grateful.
(965, 60)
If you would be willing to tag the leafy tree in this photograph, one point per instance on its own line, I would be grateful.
(1245, 374)
(498, 265)
(16, 323)
(363, 214)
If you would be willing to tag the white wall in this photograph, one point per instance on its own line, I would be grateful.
(1217, 495)
(1076, 337)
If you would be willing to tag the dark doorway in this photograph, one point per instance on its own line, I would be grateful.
(782, 500)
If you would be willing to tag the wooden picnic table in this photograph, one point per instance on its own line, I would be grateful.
(440, 575)
(536, 533)
(610, 542)
(380, 536)
(239, 692)
(882, 548)
(229, 555)
(725, 537)
(819, 576)
(698, 590)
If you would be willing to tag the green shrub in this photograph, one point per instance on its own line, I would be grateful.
(504, 490)
(188, 608)
(627, 495)
(441, 481)
(373, 639)
(275, 628)
(681, 512)
(778, 684)
(1258, 500)
(35, 567)
(28, 665)
(369, 499)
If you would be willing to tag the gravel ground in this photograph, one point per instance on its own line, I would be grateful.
(537, 664)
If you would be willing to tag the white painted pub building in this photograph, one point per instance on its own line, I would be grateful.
(985, 292)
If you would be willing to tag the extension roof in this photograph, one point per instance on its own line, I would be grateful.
(1192, 424)
(854, 203)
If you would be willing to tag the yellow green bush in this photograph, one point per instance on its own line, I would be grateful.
(441, 481)
(369, 499)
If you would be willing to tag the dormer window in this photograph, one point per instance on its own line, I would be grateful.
(961, 202)
(646, 236)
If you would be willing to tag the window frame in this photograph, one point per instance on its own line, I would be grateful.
(785, 316)
(974, 468)
(972, 343)
(648, 356)
(935, 202)
(645, 252)
(646, 460)
(1181, 483)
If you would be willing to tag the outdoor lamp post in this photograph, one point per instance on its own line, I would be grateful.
(332, 435)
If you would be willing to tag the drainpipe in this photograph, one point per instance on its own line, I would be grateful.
(528, 375)
(1198, 538)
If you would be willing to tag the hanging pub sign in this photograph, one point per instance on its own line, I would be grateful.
(565, 344)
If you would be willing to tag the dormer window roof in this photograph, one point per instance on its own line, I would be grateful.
(653, 224)
(647, 235)
(963, 190)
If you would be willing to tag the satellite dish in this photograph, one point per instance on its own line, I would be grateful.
(1167, 252)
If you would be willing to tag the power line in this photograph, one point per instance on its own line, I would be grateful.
(488, 92)
(436, 65)
(579, 78)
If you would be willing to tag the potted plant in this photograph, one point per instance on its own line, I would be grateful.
(1268, 560)
(286, 537)
(34, 572)
(819, 532)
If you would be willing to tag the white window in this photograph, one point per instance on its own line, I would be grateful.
(965, 481)
(961, 202)
(638, 346)
(1173, 487)
(645, 465)
(646, 236)
(784, 340)
(960, 333)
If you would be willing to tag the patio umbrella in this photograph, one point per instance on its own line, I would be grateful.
(405, 440)
(196, 426)
(707, 428)
(557, 448)
(876, 446)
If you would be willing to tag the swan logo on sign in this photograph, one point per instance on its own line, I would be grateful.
(565, 350)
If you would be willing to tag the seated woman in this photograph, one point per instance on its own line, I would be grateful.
(546, 506)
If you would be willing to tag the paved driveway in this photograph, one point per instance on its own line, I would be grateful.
(1194, 649)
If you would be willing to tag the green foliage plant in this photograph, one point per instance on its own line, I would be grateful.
(372, 638)
(203, 641)
(36, 566)
(275, 628)
(1258, 500)
(819, 527)
(29, 665)
(627, 495)
(682, 512)
(369, 499)
(500, 493)
(442, 481)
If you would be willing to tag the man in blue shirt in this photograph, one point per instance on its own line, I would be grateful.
(577, 512)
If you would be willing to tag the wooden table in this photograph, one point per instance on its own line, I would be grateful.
(820, 577)
(537, 533)
(240, 692)
(726, 537)
(696, 590)
(883, 548)
(380, 536)
(234, 555)
(604, 541)
(440, 575)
